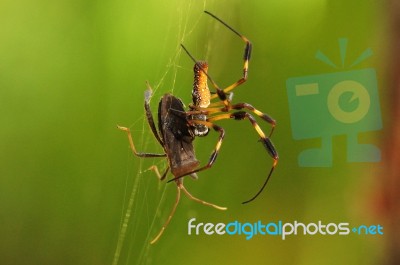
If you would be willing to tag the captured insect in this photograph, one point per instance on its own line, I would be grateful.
(177, 127)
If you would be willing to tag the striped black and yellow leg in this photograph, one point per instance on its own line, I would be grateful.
(222, 93)
(246, 58)
(219, 92)
(241, 115)
(215, 110)
(260, 114)
(214, 154)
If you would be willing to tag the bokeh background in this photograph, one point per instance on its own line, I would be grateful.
(70, 71)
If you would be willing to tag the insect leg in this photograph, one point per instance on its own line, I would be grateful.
(132, 146)
(157, 172)
(200, 201)
(178, 196)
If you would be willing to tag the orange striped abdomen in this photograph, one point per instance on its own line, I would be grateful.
(200, 93)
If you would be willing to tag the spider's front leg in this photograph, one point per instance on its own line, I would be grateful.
(224, 95)
(221, 93)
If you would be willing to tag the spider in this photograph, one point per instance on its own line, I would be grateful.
(177, 127)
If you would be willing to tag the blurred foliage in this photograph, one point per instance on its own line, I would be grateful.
(70, 71)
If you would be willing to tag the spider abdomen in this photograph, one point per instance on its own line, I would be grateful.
(200, 93)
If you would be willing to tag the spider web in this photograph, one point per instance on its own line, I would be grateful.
(130, 247)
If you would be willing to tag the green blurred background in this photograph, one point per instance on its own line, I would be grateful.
(70, 71)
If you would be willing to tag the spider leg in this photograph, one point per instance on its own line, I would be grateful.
(223, 93)
(260, 114)
(212, 110)
(230, 97)
(246, 58)
(241, 115)
(214, 154)
(220, 93)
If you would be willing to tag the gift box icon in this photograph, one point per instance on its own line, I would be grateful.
(339, 103)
